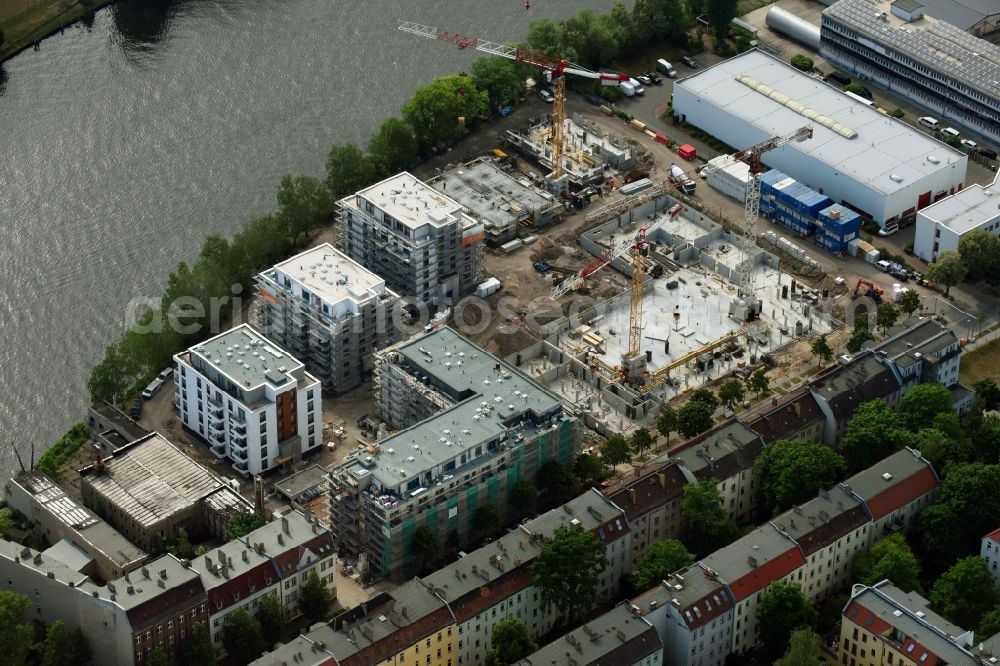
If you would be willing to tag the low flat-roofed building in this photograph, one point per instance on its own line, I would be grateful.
(941, 226)
(150, 489)
(619, 637)
(56, 516)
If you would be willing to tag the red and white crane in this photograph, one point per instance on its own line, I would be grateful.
(555, 70)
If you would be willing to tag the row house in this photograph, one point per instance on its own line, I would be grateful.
(621, 637)
(652, 504)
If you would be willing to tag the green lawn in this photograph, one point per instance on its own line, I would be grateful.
(983, 363)
(24, 21)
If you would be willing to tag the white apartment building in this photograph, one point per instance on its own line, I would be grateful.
(941, 225)
(422, 242)
(920, 351)
(990, 552)
(331, 312)
(250, 400)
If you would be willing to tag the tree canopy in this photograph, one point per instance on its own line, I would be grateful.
(948, 269)
(198, 650)
(705, 396)
(966, 509)
(988, 390)
(500, 78)
(590, 470)
(242, 636)
(889, 557)
(791, 471)
(922, 403)
(980, 252)
(615, 450)
(511, 643)
(243, 524)
(966, 592)
(568, 571)
(658, 561)
(640, 441)
(910, 302)
(708, 525)
(314, 598)
(731, 394)
(435, 110)
(694, 418)
(523, 497)
(426, 548)
(272, 616)
(16, 635)
(758, 382)
(886, 316)
(393, 147)
(782, 610)
(348, 169)
(822, 350)
(873, 433)
(803, 649)
(303, 204)
(667, 421)
(558, 481)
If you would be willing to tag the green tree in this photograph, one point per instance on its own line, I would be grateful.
(593, 41)
(640, 441)
(242, 637)
(922, 403)
(791, 471)
(965, 592)
(545, 37)
(705, 396)
(511, 643)
(822, 350)
(303, 204)
(889, 557)
(948, 269)
(941, 449)
(666, 422)
(988, 390)
(590, 470)
(425, 547)
(314, 599)
(523, 498)
(435, 110)
(658, 561)
(694, 418)
(661, 20)
(272, 616)
(720, 13)
(731, 394)
(393, 147)
(568, 570)
(986, 443)
(858, 89)
(758, 382)
(63, 646)
(910, 302)
(16, 635)
(500, 78)
(182, 545)
(243, 524)
(990, 624)
(782, 610)
(486, 519)
(966, 509)
(980, 252)
(873, 433)
(348, 169)
(803, 649)
(708, 526)
(198, 650)
(157, 657)
(558, 481)
(886, 316)
(615, 450)
(803, 62)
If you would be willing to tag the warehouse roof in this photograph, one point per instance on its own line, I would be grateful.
(963, 14)
(887, 154)
(966, 209)
(940, 45)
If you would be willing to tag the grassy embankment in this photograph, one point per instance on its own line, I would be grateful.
(24, 21)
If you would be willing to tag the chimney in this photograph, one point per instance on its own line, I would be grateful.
(663, 479)
(208, 562)
(281, 538)
(631, 494)
(163, 573)
(222, 556)
(798, 409)
(246, 558)
(284, 525)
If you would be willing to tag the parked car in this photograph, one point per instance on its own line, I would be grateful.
(665, 67)
(689, 61)
(151, 390)
(655, 78)
(969, 143)
(546, 96)
(644, 79)
(136, 411)
(988, 153)
(166, 374)
(889, 229)
(928, 121)
(900, 275)
(950, 131)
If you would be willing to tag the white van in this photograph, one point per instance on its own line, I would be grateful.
(626, 88)
(665, 67)
(927, 121)
(153, 387)
(950, 131)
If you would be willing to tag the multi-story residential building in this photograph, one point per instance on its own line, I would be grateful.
(894, 491)
(942, 225)
(124, 620)
(474, 426)
(796, 416)
(422, 242)
(149, 490)
(990, 552)
(331, 312)
(621, 637)
(652, 504)
(839, 390)
(59, 519)
(250, 400)
(725, 453)
(693, 614)
(494, 582)
(884, 626)
(927, 61)
(920, 351)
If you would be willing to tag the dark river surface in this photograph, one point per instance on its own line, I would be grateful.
(123, 143)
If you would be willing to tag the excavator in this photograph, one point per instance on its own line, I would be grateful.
(873, 291)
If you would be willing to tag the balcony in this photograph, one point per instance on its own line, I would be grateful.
(238, 445)
(215, 401)
(215, 413)
(218, 450)
(240, 454)
(238, 429)
(219, 437)
(216, 427)
(240, 466)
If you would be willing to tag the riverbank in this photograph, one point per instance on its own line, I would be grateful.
(27, 22)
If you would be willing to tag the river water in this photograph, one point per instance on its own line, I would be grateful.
(123, 143)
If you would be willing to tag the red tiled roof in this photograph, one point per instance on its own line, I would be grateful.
(489, 594)
(765, 574)
(719, 603)
(866, 619)
(995, 535)
(287, 562)
(221, 596)
(902, 493)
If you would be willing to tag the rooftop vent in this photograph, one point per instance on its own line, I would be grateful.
(887, 476)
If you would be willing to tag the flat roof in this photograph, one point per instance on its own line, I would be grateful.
(937, 44)
(966, 209)
(884, 146)
(963, 14)
(292, 486)
(247, 358)
(413, 202)
(331, 275)
(493, 393)
(151, 479)
(616, 637)
(70, 554)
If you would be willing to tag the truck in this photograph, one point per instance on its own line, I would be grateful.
(681, 181)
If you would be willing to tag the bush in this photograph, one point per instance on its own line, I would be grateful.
(858, 89)
(869, 227)
(908, 249)
(803, 62)
(52, 459)
(897, 113)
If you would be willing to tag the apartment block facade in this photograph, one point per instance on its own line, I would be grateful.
(422, 242)
(329, 311)
(652, 503)
(990, 552)
(251, 401)
(479, 426)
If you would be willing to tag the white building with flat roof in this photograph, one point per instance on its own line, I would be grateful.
(941, 226)
(421, 241)
(252, 401)
(331, 311)
(868, 161)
